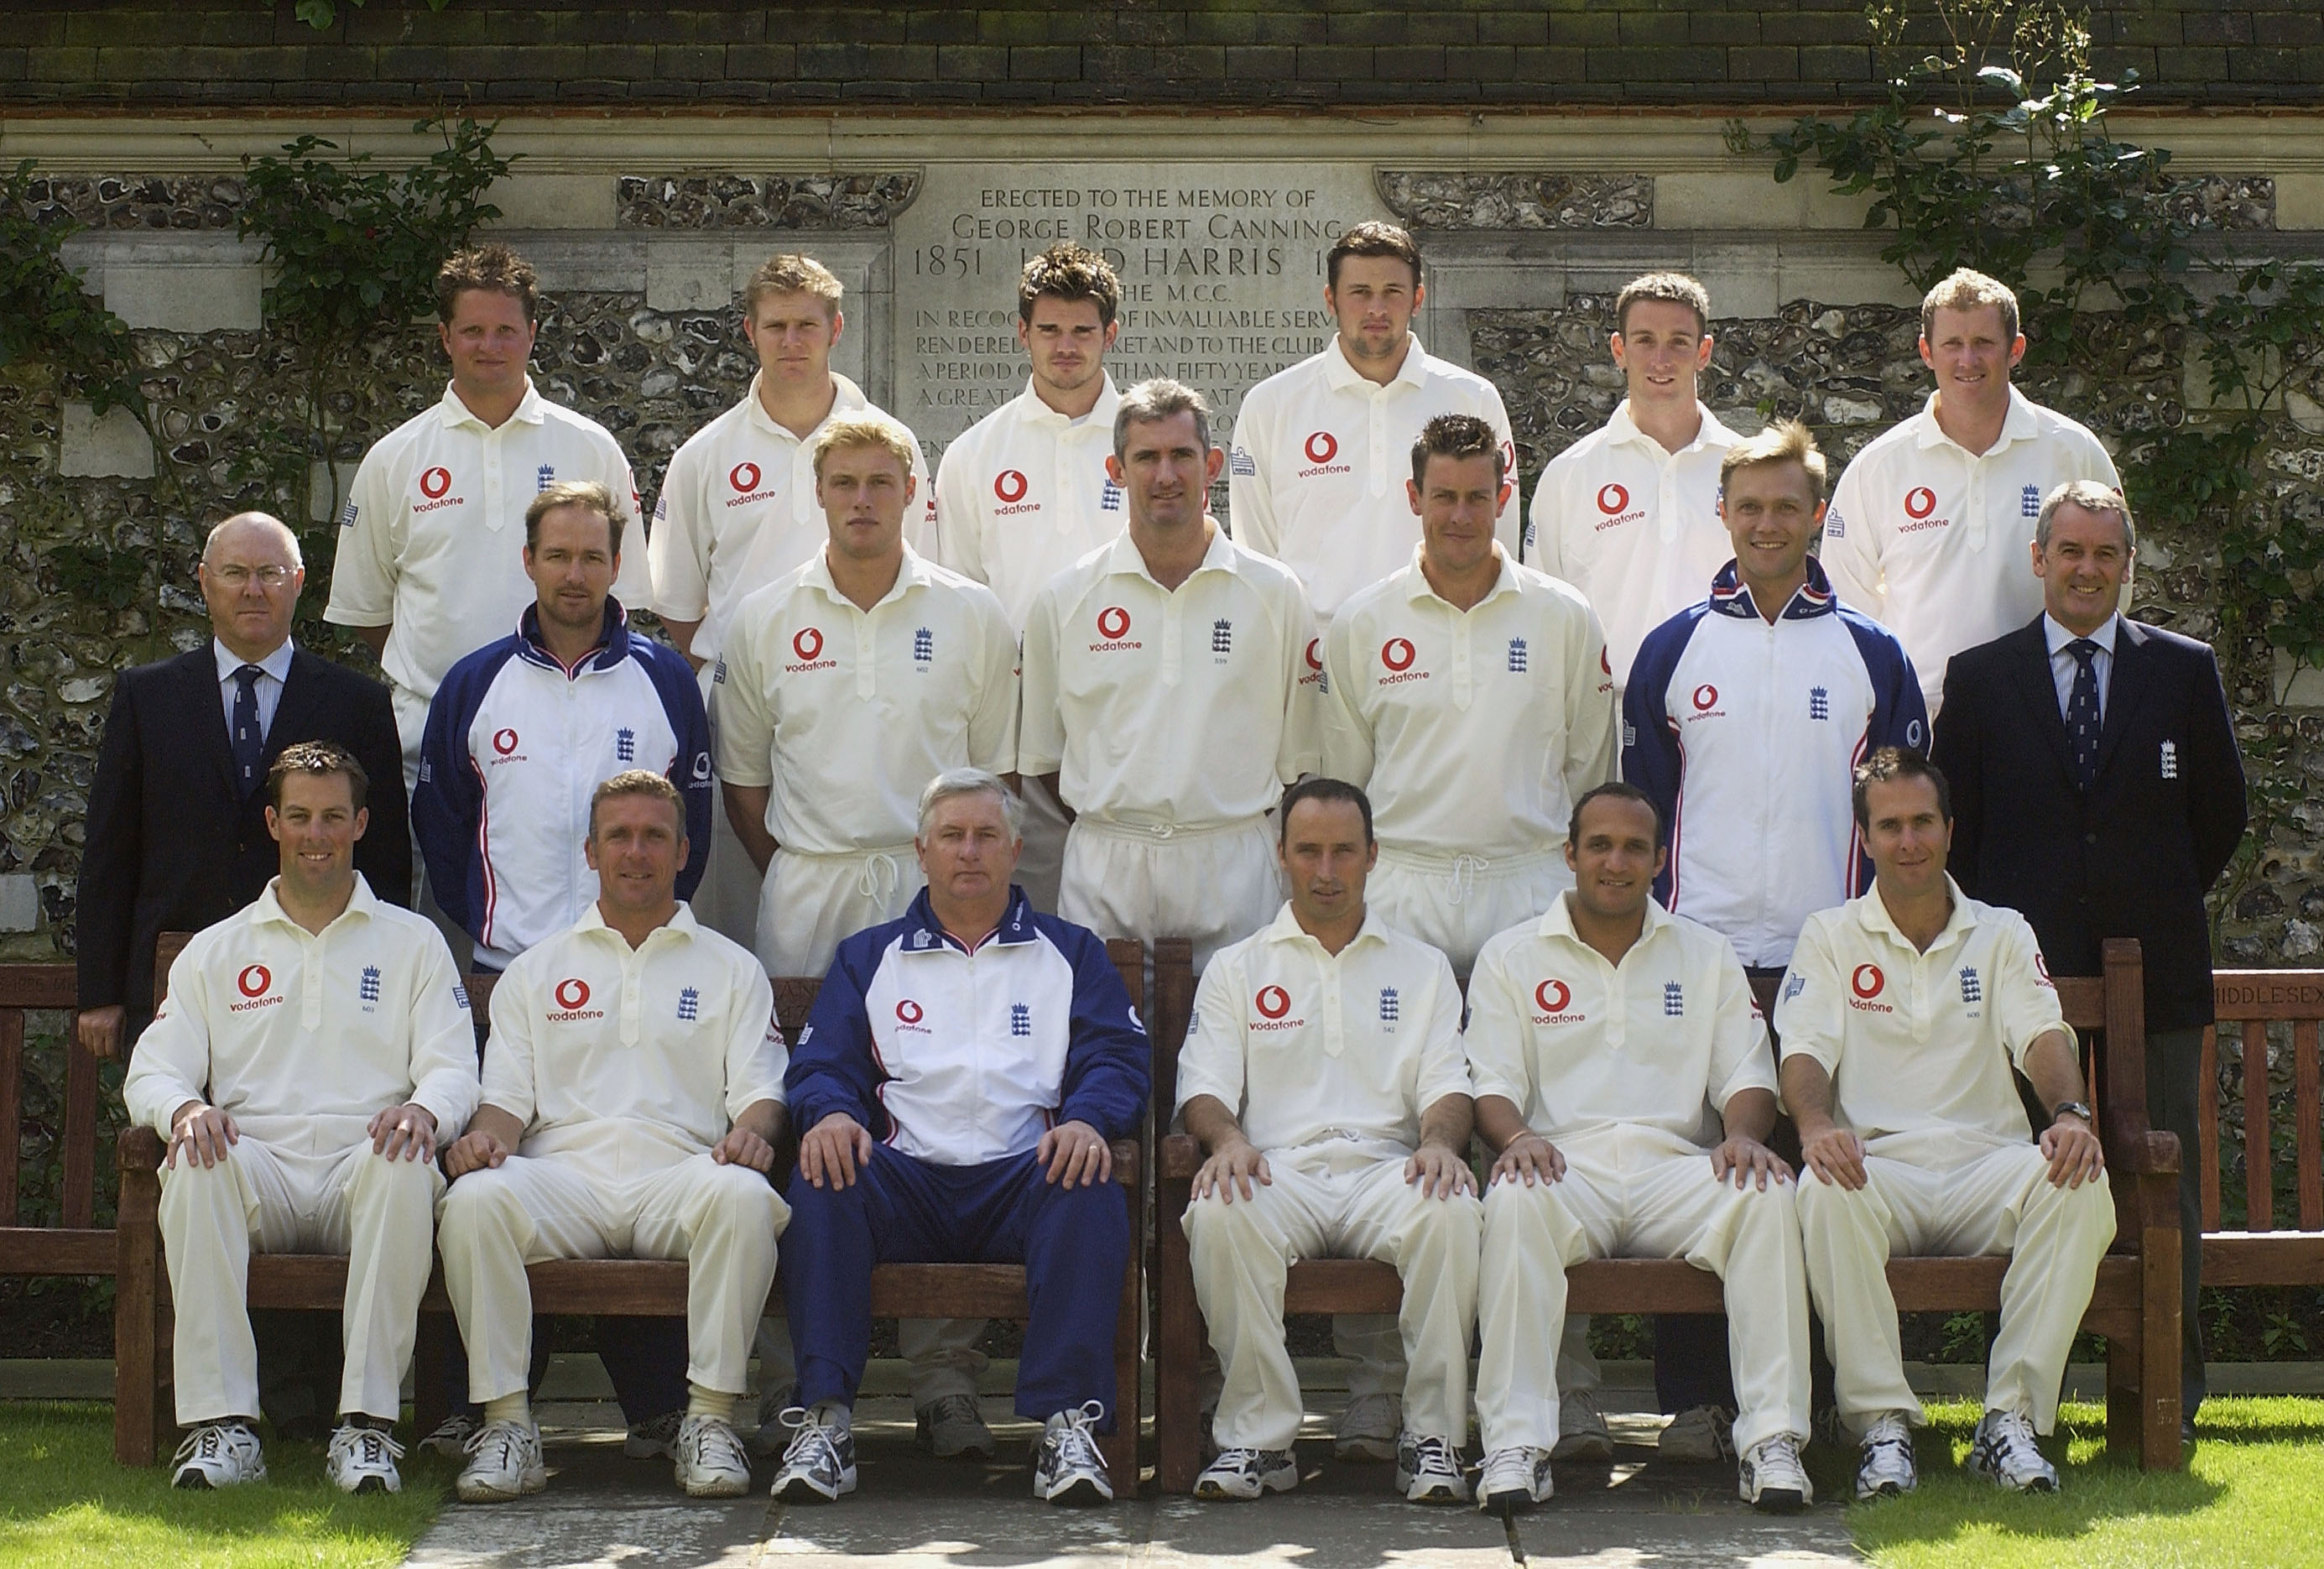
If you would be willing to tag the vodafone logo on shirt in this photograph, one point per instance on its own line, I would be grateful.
(1704, 700)
(744, 478)
(1313, 657)
(504, 742)
(1321, 448)
(1113, 630)
(1273, 1002)
(1397, 655)
(1865, 983)
(909, 1015)
(572, 995)
(1612, 498)
(1555, 998)
(1008, 488)
(1920, 502)
(436, 485)
(807, 644)
(1614, 508)
(253, 983)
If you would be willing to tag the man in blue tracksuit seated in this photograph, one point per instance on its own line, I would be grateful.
(957, 1086)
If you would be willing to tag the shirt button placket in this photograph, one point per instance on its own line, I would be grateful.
(494, 515)
(802, 480)
(867, 652)
(1335, 1037)
(1377, 481)
(311, 961)
(632, 964)
(1464, 686)
(1172, 605)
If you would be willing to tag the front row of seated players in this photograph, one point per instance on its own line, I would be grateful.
(1623, 1081)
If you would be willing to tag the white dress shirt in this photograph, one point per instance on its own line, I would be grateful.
(2064, 667)
(275, 669)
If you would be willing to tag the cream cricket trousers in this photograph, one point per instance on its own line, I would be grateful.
(721, 1220)
(2000, 1202)
(1211, 885)
(1634, 1194)
(379, 1213)
(1362, 1209)
(809, 904)
(1043, 861)
(1455, 902)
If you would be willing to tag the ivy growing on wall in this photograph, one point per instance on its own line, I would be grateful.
(1992, 149)
(46, 316)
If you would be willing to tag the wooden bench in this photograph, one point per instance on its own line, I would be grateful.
(76, 1246)
(613, 1286)
(2134, 1304)
(2265, 1252)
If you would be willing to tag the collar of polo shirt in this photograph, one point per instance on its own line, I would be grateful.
(1286, 928)
(1340, 375)
(1620, 428)
(913, 574)
(1872, 915)
(456, 413)
(2020, 424)
(1220, 556)
(1102, 412)
(268, 907)
(682, 924)
(847, 398)
(1557, 921)
(1417, 586)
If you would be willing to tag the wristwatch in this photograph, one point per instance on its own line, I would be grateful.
(2072, 1109)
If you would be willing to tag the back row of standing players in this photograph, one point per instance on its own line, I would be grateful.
(1175, 675)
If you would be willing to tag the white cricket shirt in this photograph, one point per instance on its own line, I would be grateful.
(303, 1037)
(1633, 527)
(1932, 540)
(1920, 1046)
(1023, 495)
(1663, 1040)
(1473, 730)
(636, 1057)
(737, 510)
(1312, 1049)
(1321, 456)
(432, 536)
(847, 713)
(1169, 708)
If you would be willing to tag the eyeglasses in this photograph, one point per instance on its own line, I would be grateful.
(269, 577)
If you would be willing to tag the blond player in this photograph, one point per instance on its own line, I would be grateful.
(1469, 696)
(1623, 1078)
(1316, 478)
(430, 563)
(311, 1046)
(1931, 523)
(1325, 1079)
(1904, 1014)
(1024, 492)
(737, 510)
(1164, 700)
(1629, 513)
(632, 1096)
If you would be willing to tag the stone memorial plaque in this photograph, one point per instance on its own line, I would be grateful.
(1221, 273)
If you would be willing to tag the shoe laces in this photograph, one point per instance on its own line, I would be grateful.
(1433, 1456)
(1248, 1462)
(1586, 1415)
(458, 1424)
(714, 1443)
(207, 1442)
(1780, 1453)
(2010, 1432)
(1076, 1440)
(954, 1409)
(811, 1444)
(508, 1437)
(370, 1446)
(1512, 1466)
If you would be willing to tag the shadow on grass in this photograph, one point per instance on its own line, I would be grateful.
(64, 1502)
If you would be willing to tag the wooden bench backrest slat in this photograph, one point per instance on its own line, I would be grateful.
(2207, 1126)
(2308, 1108)
(2248, 1004)
(2259, 1163)
(25, 987)
(12, 1108)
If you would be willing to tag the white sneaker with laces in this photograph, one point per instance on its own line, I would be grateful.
(363, 1459)
(1369, 1428)
(1516, 1477)
(218, 1455)
(2006, 1450)
(655, 1438)
(1885, 1467)
(1428, 1470)
(1770, 1479)
(1700, 1435)
(950, 1425)
(1240, 1475)
(503, 1462)
(451, 1436)
(708, 1460)
(819, 1465)
(1069, 1467)
(1582, 1433)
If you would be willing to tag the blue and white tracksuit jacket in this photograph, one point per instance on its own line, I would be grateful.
(959, 1058)
(1746, 734)
(514, 745)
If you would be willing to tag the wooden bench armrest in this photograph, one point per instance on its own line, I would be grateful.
(1129, 1162)
(2136, 1148)
(1178, 1158)
(139, 1148)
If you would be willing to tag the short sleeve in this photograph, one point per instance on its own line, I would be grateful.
(1809, 1012)
(1496, 1037)
(1211, 1061)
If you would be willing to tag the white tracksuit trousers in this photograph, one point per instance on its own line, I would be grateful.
(1632, 1195)
(1242, 1250)
(379, 1213)
(1214, 886)
(1998, 1202)
(721, 1220)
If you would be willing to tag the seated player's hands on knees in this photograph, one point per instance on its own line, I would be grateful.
(204, 1133)
(475, 1150)
(2075, 1154)
(1529, 1158)
(1076, 1154)
(1440, 1172)
(743, 1147)
(1833, 1154)
(406, 1131)
(832, 1149)
(1237, 1163)
(1748, 1162)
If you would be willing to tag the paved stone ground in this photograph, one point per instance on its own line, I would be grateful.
(912, 1512)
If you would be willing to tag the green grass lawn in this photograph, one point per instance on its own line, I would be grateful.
(2254, 1496)
(65, 1505)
